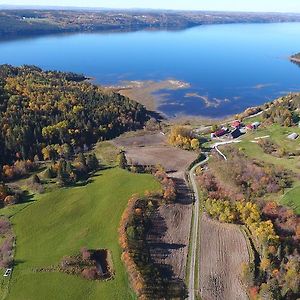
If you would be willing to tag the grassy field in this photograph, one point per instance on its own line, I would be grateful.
(292, 199)
(59, 223)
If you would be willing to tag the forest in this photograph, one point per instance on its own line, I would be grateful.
(49, 115)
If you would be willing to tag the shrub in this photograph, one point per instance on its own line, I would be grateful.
(86, 254)
(90, 273)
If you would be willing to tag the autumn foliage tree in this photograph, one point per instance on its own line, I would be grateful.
(182, 137)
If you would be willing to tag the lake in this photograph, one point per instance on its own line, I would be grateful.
(228, 67)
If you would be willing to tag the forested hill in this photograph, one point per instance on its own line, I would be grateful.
(24, 22)
(38, 109)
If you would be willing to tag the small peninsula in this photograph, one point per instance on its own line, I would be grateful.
(295, 58)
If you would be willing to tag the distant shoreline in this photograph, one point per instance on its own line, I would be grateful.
(18, 23)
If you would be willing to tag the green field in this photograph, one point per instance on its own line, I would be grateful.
(278, 135)
(292, 199)
(59, 223)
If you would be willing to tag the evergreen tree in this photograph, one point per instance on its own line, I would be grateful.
(122, 161)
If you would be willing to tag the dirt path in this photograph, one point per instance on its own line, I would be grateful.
(170, 232)
(223, 249)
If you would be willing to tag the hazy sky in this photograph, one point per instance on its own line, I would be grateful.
(239, 5)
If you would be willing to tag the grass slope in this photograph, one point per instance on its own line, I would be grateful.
(60, 223)
(292, 199)
(278, 134)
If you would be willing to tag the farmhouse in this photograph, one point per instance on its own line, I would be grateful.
(236, 124)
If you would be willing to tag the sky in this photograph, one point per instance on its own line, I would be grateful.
(220, 5)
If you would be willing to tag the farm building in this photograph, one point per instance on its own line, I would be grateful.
(235, 133)
(218, 133)
(236, 124)
(255, 125)
(293, 136)
(249, 127)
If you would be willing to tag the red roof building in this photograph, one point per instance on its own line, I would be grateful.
(220, 132)
(249, 127)
(236, 124)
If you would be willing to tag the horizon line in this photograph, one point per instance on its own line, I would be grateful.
(69, 7)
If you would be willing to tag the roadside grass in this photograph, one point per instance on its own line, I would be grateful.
(63, 221)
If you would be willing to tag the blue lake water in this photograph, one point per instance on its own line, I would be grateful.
(233, 66)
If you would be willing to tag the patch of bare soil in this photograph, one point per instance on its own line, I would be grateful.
(223, 249)
(152, 149)
(170, 231)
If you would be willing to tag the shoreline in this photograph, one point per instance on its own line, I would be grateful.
(143, 91)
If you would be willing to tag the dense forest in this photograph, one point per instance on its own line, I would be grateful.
(52, 115)
(37, 22)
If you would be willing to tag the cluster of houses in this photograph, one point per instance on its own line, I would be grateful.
(236, 129)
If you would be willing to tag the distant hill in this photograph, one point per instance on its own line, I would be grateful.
(22, 22)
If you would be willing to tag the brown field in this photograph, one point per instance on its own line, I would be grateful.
(223, 249)
(152, 149)
(169, 235)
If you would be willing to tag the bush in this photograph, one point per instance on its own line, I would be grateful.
(86, 254)
(90, 273)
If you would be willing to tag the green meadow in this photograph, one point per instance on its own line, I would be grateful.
(60, 223)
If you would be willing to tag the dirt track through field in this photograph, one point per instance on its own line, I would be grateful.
(170, 232)
(223, 249)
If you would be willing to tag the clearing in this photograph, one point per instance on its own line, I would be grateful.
(223, 249)
(63, 221)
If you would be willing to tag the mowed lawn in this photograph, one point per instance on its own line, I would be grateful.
(59, 223)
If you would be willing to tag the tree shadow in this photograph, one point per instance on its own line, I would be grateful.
(184, 194)
(83, 183)
(27, 197)
(18, 262)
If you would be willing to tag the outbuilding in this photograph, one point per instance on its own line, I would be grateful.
(235, 133)
(293, 136)
(218, 133)
(255, 125)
